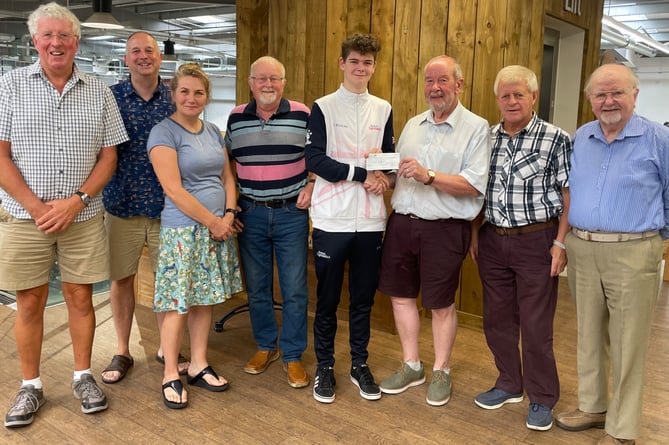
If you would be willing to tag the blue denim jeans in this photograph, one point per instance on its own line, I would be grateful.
(281, 233)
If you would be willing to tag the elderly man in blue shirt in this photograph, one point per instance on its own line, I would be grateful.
(619, 213)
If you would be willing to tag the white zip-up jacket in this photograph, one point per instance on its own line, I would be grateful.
(343, 127)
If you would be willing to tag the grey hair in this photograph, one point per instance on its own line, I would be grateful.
(634, 79)
(457, 70)
(517, 73)
(53, 11)
(268, 59)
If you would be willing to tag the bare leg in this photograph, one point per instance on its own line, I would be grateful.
(122, 299)
(171, 336)
(199, 326)
(407, 322)
(444, 328)
(29, 328)
(79, 301)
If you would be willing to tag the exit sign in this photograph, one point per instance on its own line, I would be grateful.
(573, 6)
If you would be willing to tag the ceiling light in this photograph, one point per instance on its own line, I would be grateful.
(102, 17)
(633, 34)
(168, 51)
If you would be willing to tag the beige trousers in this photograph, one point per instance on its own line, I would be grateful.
(615, 286)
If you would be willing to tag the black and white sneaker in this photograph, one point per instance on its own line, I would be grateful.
(362, 377)
(324, 384)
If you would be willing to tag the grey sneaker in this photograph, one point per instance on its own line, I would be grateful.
(91, 396)
(22, 412)
(496, 398)
(539, 417)
(403, 379)
(439, 391)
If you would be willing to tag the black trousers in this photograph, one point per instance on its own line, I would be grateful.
(332, 250)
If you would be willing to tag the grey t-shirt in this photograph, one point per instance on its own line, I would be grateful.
(201, 159)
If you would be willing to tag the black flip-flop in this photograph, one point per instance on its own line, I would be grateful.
(120, 364)
(182, 359)
(178, 387)
(199, 380)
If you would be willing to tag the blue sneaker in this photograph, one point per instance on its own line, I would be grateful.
(496, 398)
(539, 417)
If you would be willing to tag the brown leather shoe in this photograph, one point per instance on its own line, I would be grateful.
(297, 376)
(577, 420)
(610, 440)
(260, 361)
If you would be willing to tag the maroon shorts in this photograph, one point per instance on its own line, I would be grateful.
(426, 256)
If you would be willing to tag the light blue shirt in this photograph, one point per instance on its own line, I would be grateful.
(458, 146)
(622, 186)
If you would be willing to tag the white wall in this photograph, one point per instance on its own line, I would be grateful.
(567, 74)
(653, 100)
(222, 101)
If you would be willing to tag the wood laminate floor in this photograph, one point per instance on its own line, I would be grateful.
(263, 409)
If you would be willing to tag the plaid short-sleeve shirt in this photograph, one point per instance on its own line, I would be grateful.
(56, 138)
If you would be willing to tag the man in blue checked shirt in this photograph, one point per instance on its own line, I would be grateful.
(520, 250)
(619, 215)
(58, 134)
(133, 198)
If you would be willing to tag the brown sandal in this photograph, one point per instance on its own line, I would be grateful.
(120, 364)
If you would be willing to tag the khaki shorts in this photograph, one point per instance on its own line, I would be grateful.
(27, 254)
(127, 237)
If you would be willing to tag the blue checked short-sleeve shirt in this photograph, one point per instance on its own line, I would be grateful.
(56, 138)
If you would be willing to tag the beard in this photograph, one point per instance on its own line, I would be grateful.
(611, 118)
(440, 104)
(267, 98)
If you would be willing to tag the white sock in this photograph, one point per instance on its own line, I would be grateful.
(414, 365)
(78, 374)
(447, 371)
(36, 382)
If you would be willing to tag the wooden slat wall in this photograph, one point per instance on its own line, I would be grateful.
(482, 36)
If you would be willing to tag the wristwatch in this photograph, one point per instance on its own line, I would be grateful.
(233, 211)
(84, 197)
(430, 177)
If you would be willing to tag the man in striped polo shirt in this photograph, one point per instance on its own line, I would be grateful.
(266, 139)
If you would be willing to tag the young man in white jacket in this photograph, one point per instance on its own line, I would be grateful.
(347, 210)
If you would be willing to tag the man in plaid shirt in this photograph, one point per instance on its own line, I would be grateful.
(520, 250)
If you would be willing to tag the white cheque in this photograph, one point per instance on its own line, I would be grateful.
(383, 161)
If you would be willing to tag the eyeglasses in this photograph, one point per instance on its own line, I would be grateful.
(263, 79)
(601, 97)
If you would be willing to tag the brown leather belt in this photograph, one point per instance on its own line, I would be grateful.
(612, 237)
(529, 228)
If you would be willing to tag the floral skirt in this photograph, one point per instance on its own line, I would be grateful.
(194, 270)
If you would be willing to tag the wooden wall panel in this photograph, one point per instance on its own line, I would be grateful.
(358, 17)
(383, 28)
(488, 55)
(461, 40)
(278, 13)
(433, 35)
(295, 51)
(252, 41)
(336, 13)
(483, 36)
(315, 49)
(405, 63)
